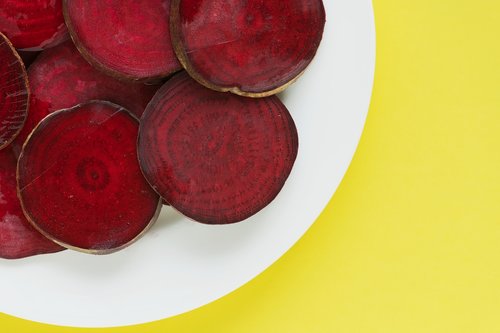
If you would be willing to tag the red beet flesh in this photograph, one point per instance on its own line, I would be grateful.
(217, 158)
(126, 38)
(33, 24)
(60, 78)
(250, 47)
(79, 179)
(18, 239)
(14, 93)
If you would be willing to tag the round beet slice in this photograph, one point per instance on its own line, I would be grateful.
(217, 158)
(124, 38)
(33, 24)
(253, 48)
(79, 179)
(18, 239)
(14, 92)
(60, 78)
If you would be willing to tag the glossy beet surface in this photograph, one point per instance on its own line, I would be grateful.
(18, 239)
(33, 24)
(80, 181)
(250, 47)
(126, 38)
(216, 157)
(60, 78)
(14, 93)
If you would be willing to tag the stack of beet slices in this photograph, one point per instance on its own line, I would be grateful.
(149, 102)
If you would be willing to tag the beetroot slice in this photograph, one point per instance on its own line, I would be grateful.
(33, 24)
(60, 78)
(79, 179)
(18, 239)
(14, 93)
(125, 38)
(217, 158)
(253, 48)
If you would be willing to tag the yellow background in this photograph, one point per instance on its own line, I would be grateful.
(411, 240)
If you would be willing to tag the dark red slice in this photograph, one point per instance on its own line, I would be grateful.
(217, 158)
(18, 239)
(125, 38)
(60, 78)
(33, 24)
(14, 93)
(79, 179)
(249, 47)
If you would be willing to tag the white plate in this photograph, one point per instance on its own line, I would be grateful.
(180, 265)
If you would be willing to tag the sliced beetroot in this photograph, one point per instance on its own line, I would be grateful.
(60, 78)
(33, 24)
(18, 239)
(14, 92)
(125, 38)
(79, 179)
(217, 158)
(253, 48)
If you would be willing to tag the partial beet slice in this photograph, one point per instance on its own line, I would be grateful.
(79, 179)
(14, 92)
(60, 78)
(33, 24)
(218, 158)
(125, 38)
(18, 239)
(253, 48)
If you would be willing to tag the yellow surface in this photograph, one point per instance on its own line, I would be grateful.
(411, 240)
